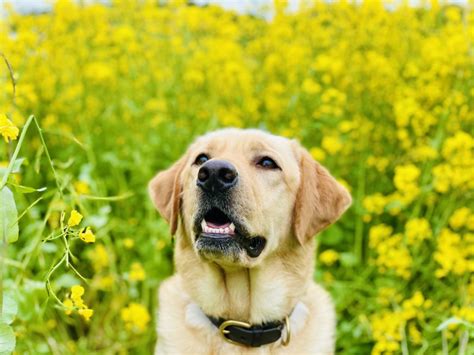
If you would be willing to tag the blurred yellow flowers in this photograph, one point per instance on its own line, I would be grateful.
(136, 317)
(137, 273)
(329, 257)
(7, 129)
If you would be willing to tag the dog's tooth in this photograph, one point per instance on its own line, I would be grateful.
(203, 225)
(221, 230)
(226, 230)
(232, 227)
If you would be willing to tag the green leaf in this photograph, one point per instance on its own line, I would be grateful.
(9, 309)
(8, 215)
(7, 339)
(26, 189)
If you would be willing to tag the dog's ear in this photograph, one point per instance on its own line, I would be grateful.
(165, 190)
(320, 199)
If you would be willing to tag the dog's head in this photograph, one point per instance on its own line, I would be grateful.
(238, 195)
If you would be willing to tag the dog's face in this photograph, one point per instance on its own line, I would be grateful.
(239, 195)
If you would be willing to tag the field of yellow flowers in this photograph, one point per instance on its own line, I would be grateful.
(94, 99)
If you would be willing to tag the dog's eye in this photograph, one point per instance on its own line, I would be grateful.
(267, 163)
(201, 159)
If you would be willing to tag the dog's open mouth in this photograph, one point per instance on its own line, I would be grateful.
(218, 232)
(216, 223)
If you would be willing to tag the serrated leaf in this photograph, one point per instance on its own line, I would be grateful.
(8, 215)
(9, 310)
(7, 339)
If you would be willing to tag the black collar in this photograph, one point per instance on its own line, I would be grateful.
(241, 333)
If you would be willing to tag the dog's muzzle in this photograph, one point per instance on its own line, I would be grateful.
(217, 176)
(219, 230)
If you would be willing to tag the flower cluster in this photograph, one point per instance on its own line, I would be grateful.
(75, 303)
(7, 129)
(86, 234)
(136, 317)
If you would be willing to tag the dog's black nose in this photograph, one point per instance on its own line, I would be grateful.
(217, 175)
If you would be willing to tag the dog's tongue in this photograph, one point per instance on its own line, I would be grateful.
(212, 225)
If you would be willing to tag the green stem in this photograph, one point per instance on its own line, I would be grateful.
(48, 276)
(40, 131)
(78, 274)
(17, 150)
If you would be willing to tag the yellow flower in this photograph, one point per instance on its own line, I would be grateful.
(81, 187)
(317, 153)
(86, 313)
(69, 306)
(87, 235)
(375, 203)
(311, 87)
(453, 253)
(137, 273)
(415, 335)
(379, 233)
(459, 218)
(99, 257)
(128, 243)
(417, 230)
(386, 331)
(406, 182)
(77, 291)
(76, 295)
(74, 219)
(7, 129)
(104, 282)
(136, 317)
(329, 257)
(331, 144)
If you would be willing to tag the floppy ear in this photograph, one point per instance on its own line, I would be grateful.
(165, 191)
(320, 200)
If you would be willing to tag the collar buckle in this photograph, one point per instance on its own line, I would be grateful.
(223, 329)
(285, 340)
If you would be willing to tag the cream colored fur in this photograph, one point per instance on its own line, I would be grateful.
(287, 207)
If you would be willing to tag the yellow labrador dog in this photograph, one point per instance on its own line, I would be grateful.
(244, 206)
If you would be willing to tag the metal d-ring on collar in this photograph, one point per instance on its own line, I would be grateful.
(244, 334)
